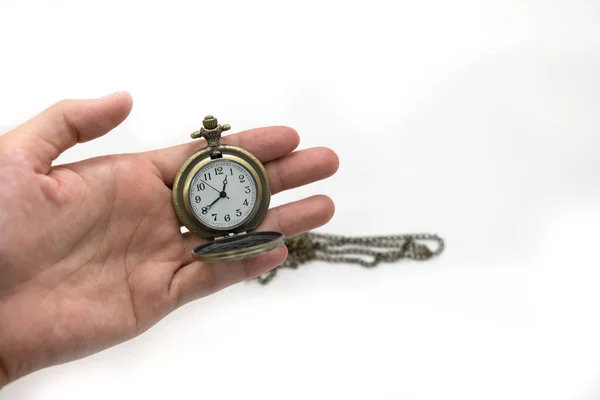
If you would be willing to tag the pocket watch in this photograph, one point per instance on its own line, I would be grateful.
(222, 193)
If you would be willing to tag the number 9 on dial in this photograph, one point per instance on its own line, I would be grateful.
(222, 193)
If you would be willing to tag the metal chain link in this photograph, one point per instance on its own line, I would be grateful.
(370, 250)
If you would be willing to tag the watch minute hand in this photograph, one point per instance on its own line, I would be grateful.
(210, 186)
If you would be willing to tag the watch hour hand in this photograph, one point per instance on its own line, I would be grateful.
(211, 204)
(223, 194)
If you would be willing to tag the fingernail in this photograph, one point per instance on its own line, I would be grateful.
(109, 95)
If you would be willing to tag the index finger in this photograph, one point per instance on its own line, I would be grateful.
(268, 143)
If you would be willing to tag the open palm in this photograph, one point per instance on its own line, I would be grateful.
(92, 254)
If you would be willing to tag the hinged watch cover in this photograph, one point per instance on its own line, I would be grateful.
(238, 247)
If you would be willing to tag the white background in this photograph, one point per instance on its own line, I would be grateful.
(477, 120)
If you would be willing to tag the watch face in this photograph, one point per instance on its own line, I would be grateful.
(223, 194)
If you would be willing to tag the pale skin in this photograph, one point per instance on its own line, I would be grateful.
(92, 254)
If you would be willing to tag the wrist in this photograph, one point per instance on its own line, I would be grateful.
(3, 371)
(8, 345)
(3, 365)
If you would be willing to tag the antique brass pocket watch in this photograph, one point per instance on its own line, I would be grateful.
(222, 193)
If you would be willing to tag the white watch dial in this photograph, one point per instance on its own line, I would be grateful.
(223, 194)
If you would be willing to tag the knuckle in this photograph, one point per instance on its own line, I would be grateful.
(63, 105)
(209, 277)
(247, 270)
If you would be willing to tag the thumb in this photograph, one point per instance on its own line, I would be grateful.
(43, 138)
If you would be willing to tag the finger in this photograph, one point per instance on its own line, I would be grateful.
(197, 279)
(290, 219)
(43, 138)
(301, 168)
(265, 143)
(299, 216)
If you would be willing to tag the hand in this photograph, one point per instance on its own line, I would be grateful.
(91, 253)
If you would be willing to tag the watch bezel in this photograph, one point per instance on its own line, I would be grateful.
(183, 179)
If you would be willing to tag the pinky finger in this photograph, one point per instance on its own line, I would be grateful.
(198, 280)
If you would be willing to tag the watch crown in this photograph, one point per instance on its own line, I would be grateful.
(210, 122)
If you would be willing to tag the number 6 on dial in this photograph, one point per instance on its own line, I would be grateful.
(222, 192)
